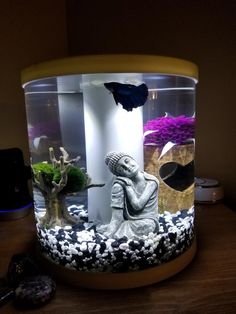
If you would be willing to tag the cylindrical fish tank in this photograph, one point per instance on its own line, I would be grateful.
(111, 139)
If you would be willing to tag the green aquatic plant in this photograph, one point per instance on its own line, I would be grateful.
(76, 178)
(45, 170)
(55, 180)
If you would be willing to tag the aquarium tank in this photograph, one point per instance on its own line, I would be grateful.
(111, 140)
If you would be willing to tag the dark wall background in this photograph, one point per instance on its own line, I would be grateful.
(30, 32)
(202, 31)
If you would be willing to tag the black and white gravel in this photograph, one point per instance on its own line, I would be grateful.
(81, 248)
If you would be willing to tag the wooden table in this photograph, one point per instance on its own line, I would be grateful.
(207, 285)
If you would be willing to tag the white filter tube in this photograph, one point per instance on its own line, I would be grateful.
(108, 127)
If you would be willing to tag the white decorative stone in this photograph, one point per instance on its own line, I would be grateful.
(91, 245)
(67, 228)
(124, 246)
(73, 251)
(83, 246)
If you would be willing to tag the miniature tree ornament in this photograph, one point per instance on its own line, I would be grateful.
(55, 181)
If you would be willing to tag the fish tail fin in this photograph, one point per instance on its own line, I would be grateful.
(142, 91)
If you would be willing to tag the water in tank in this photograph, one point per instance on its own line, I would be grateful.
(111, 140)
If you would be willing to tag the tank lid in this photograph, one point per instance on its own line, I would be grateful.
(116, 63)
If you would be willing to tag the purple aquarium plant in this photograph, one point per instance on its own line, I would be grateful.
(177, 130)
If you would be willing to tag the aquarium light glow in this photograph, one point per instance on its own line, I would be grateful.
(52, 92)
(74, 91)
(170, 88)
(42, 85)
(16, 209)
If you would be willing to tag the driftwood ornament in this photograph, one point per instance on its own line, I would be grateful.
(54, 192)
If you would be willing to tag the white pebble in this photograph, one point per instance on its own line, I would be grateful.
(83, 246)
(124, 246)
(98, 246)
(67, 227)
(73, 251)
(91, 246)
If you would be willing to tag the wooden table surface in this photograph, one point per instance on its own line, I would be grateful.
(207, 285)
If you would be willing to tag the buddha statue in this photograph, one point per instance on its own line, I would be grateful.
(134, 199)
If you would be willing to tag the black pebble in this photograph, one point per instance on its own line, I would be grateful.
(78, 227)
(102, 247)
(60, 237)
(74, 237)
(141, 242)
(99, 239)
(172, 237)
(134, 245)
(115, 244)
(123, 240)
(34, 291)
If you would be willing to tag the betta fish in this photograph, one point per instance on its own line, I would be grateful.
(129, 96)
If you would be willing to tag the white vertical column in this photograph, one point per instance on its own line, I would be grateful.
(108, 127)
(71, 122)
